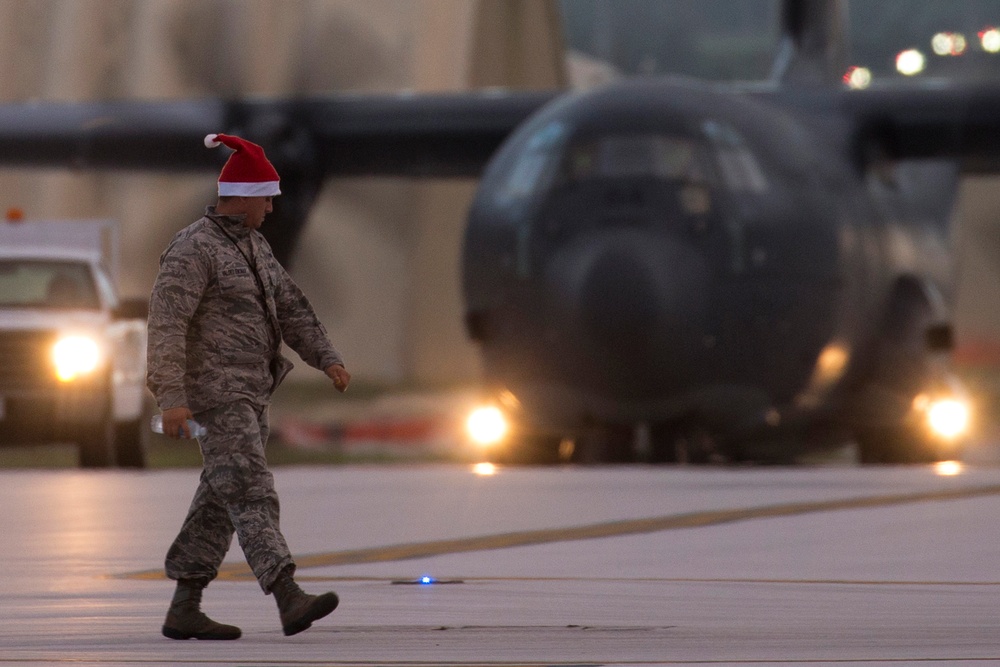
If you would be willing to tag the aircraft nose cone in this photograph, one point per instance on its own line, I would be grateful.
(619, 300)
(634, 302)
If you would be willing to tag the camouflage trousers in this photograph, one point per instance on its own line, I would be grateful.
(236, 495)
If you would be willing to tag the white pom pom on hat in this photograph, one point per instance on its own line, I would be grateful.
(247, 172)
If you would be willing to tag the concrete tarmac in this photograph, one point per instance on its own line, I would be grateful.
(632, 565)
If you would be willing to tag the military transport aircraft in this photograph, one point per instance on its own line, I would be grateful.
(661, 268)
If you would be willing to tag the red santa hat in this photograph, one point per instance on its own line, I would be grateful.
(247, 172)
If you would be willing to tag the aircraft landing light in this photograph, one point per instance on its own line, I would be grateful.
(949, 417)
(486, 425)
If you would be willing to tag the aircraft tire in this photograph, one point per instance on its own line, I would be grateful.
(894, 446)
(900, 370)
(608, 444)
(683, 444)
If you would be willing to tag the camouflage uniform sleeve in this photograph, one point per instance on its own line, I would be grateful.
(176, 294)
(300, 327)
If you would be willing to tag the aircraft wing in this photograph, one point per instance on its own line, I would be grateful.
(960, 122)
(442, 135)
(342, 135)
(113, 135)
(917, 121)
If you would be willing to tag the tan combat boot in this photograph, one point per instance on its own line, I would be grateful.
(298, 610)
(185, 620)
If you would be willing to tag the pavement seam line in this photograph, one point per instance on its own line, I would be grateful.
(240, 571)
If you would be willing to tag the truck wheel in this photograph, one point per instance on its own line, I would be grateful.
(130, 444)
(97, 446)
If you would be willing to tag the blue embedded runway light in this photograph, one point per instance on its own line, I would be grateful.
(427, 580)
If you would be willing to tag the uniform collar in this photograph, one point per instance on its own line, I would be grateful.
(234, 224)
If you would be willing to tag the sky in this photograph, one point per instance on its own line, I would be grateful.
(738, 39)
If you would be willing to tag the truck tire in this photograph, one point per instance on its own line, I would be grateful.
(97, 445)
(131, 443)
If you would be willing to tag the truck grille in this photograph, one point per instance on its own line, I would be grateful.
(26, 360)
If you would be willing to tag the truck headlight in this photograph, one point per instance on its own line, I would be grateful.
(486, 425)
(74, 356)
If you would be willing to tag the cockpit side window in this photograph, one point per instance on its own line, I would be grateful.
(535, 169)
(739, 169)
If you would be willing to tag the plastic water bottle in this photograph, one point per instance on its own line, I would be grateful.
(197, 430)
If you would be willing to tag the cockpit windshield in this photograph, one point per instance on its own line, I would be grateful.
(694, 165)
(31, 283)
(658, 156)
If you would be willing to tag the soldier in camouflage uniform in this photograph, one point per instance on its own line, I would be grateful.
(220, 308)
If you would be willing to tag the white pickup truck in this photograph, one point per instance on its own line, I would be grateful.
(72, 355)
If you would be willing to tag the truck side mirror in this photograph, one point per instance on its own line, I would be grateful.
(132, 309)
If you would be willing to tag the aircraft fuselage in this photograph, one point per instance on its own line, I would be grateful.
(664, 252)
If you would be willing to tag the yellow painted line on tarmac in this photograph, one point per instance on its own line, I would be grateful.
(236, 571)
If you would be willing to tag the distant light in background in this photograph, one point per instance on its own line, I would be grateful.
(989, 38)
(910, 62)
(949, 44)
(958, 44)
(941, 44)
(858, 77)
(484, 469)
(948, 468)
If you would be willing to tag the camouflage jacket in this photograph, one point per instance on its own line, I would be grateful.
(212, 337)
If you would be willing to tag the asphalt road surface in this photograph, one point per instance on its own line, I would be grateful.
(532, 566)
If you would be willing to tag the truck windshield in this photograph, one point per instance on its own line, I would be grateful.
(30, 283)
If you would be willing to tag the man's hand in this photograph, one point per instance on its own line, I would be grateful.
(341, 378)
(175, 422)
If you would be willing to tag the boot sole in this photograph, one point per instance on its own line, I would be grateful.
(173, 633)
(322, 607)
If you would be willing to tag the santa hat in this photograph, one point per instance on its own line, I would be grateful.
(247, 172)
